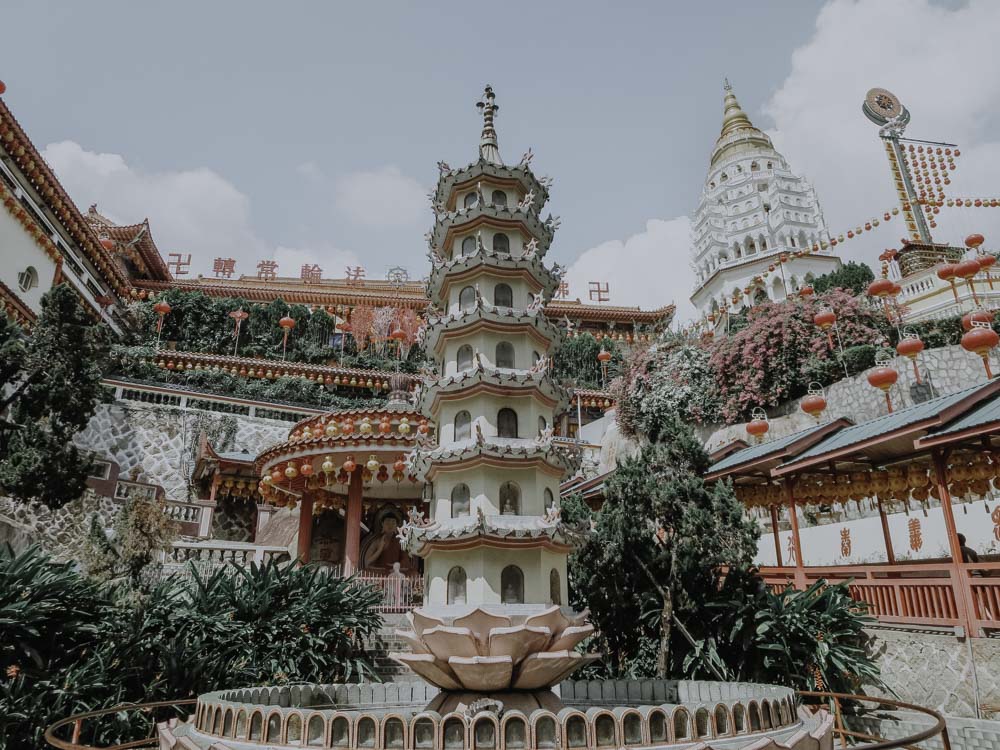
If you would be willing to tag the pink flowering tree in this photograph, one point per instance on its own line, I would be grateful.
(773, 358)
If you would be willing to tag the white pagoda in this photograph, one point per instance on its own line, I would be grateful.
(754, 212)
(494, 544)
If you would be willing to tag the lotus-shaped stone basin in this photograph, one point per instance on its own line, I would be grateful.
(485, 652)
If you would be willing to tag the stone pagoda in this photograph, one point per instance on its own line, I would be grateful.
(758, 232)
(493, 543)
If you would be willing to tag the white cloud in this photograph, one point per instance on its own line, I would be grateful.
(912, 49)
(311, 171)
(192, 211)
(649, 269)
(382, 197)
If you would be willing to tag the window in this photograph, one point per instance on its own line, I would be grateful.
(504, 354)
(702, 726)
(423, 734)
(721, 720)
(499, 199)
(469, 246)
(293, 732)
(503, 296)
(515, 734)
(545, 733)
(393, 734)
(604, 729)
(657, 727)
(100, 470)
(27, 279)
(501, 243)
(366, 734)
(316, 731)
(754, 166)
(724, 177)
(510, 499)
(460, 501)
(456, 593)
(467, 299)
(470, 200)
(555, 588)
(454, 729)
(340, 735)
(463, 425)
(542, 425)
(463, 359)
(681, 724)
(535, 357)
(548, 497)
(484, 735)
(507, 423)
(512, 585)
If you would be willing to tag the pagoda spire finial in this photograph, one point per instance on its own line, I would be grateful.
(733, 116)
(488, 149)
(726, 85)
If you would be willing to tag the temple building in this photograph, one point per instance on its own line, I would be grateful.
(46, 240)
(758, 231)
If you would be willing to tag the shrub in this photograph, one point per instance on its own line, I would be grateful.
(576, 362)
(68, 644)
(851, 277)
(669, 379)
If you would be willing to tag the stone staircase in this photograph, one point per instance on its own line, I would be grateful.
(383, 643)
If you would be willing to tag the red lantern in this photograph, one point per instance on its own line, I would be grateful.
(986, 261)
(976, 316)
(399, 466)
(981, 340)
(967, 270)
(910, 347)
(806, 291)
(350, 465)
(162, 309)
(883, 378)
(3, 88)
(880, 288)
(306, 469)
(757, 428)
(107, 243)
(287, 324)
(814, 405)
(947, 273)
(825, 320)
(385, 426)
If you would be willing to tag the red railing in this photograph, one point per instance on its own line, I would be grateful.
(938, 594)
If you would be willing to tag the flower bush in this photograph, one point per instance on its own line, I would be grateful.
(671, 378)
(764, 364)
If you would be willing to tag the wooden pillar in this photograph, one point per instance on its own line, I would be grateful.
(305, 528)
(890, 555)
(941, 477)
(959, 580)
(788, 485)
(777, 539)
(355, 502)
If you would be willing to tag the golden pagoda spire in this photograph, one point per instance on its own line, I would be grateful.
(733, 116)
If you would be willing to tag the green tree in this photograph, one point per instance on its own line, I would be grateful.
(662, 536)
(142, 531)
(576, 361)
(852, 277)
(52, 392)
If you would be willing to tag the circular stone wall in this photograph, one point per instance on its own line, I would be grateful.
(595, 714)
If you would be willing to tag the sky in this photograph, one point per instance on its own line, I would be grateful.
(309, 132)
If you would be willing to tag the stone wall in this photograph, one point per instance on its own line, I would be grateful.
(151, 443)
(158, 444)
(943, 370)
(955, 676)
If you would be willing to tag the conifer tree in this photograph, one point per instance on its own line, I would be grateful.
(51, 387)
(662, 537)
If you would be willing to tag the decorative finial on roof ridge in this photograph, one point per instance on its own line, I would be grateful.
(488, 148)
(726, 85)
